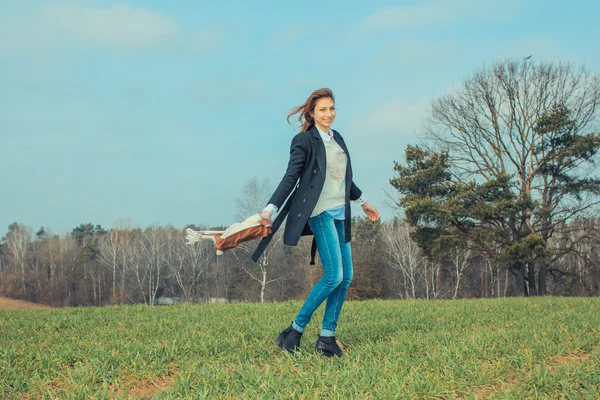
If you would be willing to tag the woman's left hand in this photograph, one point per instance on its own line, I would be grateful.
(371, 211)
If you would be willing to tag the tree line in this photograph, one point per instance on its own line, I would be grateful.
(92, 266)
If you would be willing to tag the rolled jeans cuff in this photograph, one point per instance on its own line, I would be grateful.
(297, 327)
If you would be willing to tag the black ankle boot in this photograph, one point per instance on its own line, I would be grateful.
(289, 339)
(328, 346)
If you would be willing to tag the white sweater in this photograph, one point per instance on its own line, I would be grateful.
(331, 195)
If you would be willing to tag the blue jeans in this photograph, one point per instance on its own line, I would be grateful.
(336, 257)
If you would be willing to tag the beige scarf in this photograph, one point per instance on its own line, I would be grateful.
(253, 227)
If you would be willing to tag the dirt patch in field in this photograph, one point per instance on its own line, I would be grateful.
(12, 304)
(487, 392)
(491, 391)
(145, 389)
(573, 359)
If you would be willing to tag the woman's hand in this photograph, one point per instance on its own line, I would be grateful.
(371, 211)
(266, 215)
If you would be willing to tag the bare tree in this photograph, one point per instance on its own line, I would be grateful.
(255, 196)
(51, 255)
(187, 264)
(461, 260)
(529, 123)
(16, 246)
(263, 263)
(155, 243)
(404, 255)
(111, 246)
(68, 256)
(135, 259)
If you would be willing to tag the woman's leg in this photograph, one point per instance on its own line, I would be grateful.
(326, 236)
(336, 299)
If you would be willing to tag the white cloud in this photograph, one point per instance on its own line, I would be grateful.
(290, 34)
(428, 14)
(410, 16)
(206, 38)
(398, 118)
(72, 24)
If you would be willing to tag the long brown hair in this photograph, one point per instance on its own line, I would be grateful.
(309, 105)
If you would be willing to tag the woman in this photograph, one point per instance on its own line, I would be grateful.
(320, 174)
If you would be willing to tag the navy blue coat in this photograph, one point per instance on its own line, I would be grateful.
(303, 182)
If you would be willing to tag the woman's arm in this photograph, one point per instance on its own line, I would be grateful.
(298, 154)
(355, 193)
(357, 196)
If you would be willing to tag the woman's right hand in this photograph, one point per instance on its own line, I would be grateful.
(266, 215)
(371, 211)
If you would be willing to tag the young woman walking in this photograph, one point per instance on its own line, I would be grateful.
(318, 181)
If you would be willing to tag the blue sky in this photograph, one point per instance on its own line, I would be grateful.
(159, 112)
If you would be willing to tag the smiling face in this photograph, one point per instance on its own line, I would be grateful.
(324, 113)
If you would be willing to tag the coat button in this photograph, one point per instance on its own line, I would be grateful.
(311, 186)
(299, 215)
(304, 200)
(314, 171)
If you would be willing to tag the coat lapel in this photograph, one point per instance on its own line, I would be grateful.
(338, 139)
(319, 149)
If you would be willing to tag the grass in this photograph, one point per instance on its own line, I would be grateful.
(508, 348)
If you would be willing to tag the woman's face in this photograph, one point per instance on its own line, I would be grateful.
(324, 112)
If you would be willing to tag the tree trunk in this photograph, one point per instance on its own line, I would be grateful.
(114, 279)
(457, 285)
(217, 278)
(427, 281)
(531, 279)
(482, 283)
(262, 286)
(498, 282)
(542, 279)
(23, 281)
(521, 284)
(263, 282)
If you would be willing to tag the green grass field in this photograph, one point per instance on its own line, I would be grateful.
(509, 348)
